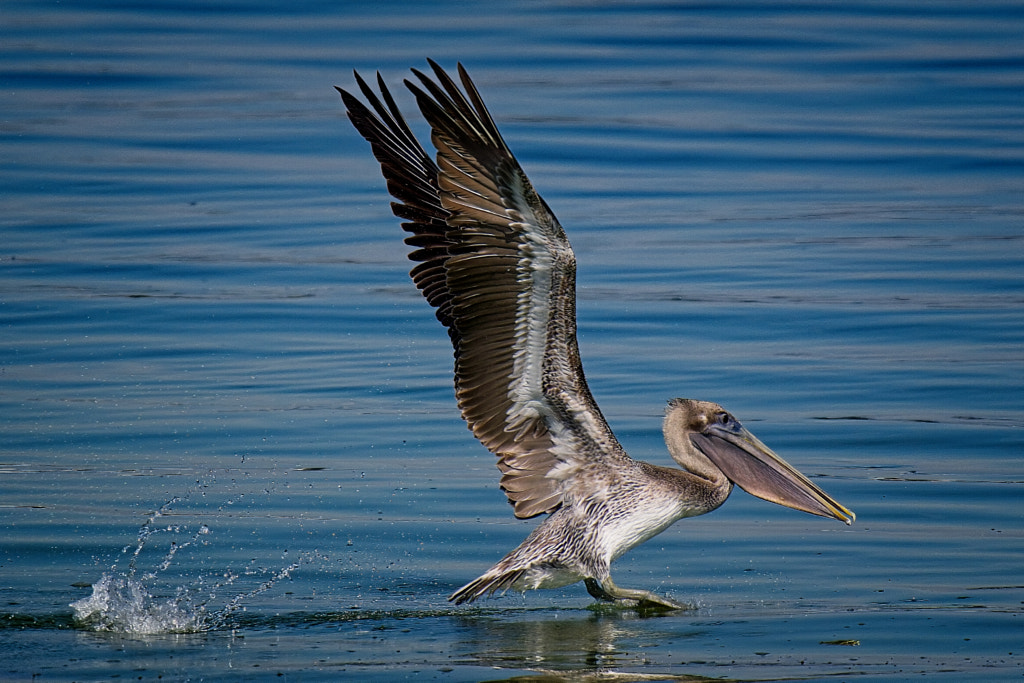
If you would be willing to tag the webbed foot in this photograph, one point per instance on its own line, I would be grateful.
(645, 600)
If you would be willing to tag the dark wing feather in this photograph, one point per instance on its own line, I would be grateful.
(412, 179)
(507, 294)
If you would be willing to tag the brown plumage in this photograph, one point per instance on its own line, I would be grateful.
(497, 266)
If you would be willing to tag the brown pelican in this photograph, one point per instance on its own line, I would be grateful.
(495, 263)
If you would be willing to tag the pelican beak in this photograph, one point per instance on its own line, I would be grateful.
(757, 470)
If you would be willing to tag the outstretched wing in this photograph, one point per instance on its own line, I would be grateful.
(497, 266)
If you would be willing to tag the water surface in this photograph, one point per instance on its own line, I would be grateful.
(217, 385)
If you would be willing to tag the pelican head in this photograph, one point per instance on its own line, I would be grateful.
(705, 439)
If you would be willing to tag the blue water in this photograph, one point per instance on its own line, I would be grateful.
(218, 388)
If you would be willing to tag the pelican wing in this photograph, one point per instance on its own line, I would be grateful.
(497, 266)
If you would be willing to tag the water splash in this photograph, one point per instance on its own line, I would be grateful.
(137, 602)
(122, 604)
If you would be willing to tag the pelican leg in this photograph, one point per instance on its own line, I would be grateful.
(608, 591)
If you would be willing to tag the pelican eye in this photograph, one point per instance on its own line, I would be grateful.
(725, 419)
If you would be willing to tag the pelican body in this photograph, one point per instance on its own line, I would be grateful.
(496, 265)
